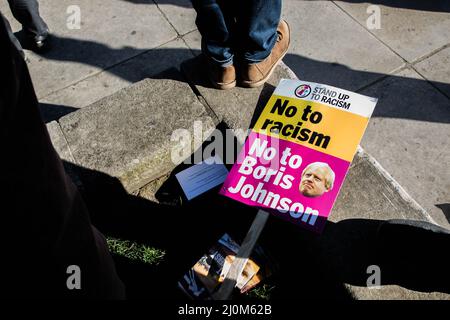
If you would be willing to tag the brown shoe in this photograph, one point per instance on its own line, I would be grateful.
(222, 78)
(256, 74)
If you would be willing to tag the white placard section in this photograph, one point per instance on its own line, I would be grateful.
(202, 177)
(328, 95)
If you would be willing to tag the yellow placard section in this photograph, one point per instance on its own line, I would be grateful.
(313, 125)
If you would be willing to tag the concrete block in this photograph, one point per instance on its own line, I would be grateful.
(128, 134)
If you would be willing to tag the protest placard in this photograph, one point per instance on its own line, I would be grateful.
(296, 157)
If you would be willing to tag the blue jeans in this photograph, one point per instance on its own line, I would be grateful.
(246, 29)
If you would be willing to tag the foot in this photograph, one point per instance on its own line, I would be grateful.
(256, 74)
(222, 78)
(38, 42)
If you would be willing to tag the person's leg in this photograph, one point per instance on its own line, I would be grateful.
(215, 24)
(27, 13)
(263, 42)
(45, 224)
(212, 25)
(257, 22)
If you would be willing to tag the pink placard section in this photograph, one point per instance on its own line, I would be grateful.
(270, 174)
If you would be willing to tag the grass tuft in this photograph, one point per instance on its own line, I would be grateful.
(261, 292)
(135, 251)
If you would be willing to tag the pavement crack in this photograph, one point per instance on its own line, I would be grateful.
(430, 54)
(167, 19)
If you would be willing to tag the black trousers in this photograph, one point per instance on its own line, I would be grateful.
(27, 13)
(45, 226)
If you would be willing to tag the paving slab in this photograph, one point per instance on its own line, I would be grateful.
(409, 134)
(146, 65)
(128, 134)
(412, 29)
(180, 13)
(436, 69)
(329, 47)
(109, 34)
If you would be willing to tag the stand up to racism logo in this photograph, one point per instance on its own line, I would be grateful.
(303, 91)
